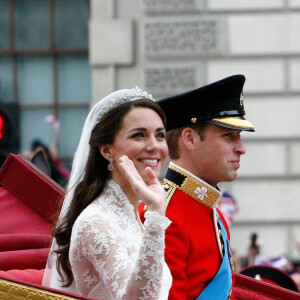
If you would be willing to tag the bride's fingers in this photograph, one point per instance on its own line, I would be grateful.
(124, 159)
(151, 176)
(126, 164)
(128, 168)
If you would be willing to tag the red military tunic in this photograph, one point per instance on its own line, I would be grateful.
(193, 246)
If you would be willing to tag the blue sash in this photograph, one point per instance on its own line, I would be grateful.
(220, 286)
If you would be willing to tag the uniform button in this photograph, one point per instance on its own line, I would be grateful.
(166, 187)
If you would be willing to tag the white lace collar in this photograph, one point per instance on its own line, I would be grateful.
(118, 199)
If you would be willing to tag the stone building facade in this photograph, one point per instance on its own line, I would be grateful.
(171, 46)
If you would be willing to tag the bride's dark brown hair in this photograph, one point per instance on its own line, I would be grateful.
(95, 176)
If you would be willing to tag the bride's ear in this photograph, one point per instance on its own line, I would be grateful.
(106, 151)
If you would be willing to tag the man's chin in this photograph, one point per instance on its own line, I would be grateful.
(234, 177)
(231, 177)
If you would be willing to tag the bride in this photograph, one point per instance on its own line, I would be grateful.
(100, 248)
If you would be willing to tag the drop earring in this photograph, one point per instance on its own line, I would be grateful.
(110, 165)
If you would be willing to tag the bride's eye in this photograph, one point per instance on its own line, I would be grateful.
(138, 135)
(161, 135)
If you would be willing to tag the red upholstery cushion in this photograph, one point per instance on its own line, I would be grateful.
(24, 259)
(28, 275)
(24, 235)
(28, 209)
(18, 218)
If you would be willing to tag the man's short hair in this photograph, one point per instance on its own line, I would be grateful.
(173, 137)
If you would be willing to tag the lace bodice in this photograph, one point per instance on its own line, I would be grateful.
(112, 256)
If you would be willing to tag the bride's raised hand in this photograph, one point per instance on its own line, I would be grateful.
(153, 194)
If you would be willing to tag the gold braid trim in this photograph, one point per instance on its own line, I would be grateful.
(14, 291)
(170, 190)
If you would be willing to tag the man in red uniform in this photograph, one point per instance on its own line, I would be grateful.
(203, 134)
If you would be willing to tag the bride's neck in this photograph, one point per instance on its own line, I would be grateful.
(127, 190)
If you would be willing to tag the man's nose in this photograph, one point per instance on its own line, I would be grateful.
(240, 147)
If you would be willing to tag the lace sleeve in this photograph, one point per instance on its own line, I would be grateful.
(102, 259)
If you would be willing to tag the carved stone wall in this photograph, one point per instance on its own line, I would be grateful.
(193, 37)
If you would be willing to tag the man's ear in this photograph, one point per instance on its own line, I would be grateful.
(106, 151)
(188, 138)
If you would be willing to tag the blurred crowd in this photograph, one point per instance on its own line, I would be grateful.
(58, 171)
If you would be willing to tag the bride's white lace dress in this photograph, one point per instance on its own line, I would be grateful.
(112, 256)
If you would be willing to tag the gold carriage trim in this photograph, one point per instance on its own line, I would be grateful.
(13, 290)
(194, 187)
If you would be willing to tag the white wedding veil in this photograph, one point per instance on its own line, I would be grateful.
(51, 277)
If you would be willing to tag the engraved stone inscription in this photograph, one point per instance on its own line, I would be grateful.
(170, 79)
(159, 6)
(184, 38)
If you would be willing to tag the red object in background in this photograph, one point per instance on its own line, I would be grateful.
(1, 125)
(9, 128)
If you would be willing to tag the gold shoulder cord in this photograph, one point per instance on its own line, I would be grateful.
(170, 190)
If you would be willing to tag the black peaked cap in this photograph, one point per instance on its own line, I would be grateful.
(220, 103)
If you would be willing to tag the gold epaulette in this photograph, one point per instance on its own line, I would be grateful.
(192, 186)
